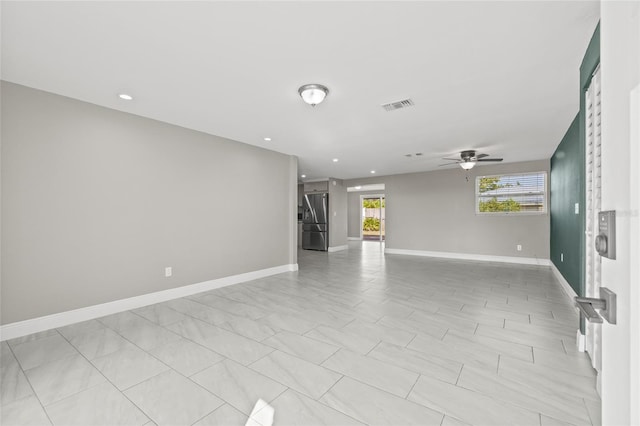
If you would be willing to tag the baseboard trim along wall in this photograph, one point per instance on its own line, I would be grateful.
(469, 256)
(337, 248)
(570, 292)
(61, 319)
(563, 282)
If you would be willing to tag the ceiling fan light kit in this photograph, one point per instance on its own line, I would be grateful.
(313, 94)
(469, 158)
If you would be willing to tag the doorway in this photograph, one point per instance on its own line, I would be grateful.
(372, 218)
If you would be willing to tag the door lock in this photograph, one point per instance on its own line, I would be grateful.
(605, 241)
(606, 304)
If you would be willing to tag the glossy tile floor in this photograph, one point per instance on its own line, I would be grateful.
(354, 337)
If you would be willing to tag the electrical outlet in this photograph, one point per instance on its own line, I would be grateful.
(168, 271)
(561, 257)
(519, 247)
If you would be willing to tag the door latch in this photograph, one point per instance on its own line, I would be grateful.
(606, 304)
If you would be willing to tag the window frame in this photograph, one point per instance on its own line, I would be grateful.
(545, 194)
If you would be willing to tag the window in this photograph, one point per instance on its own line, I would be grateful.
(523, 193)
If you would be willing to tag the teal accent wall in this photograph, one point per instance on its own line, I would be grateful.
(567, 180)
(567, 188)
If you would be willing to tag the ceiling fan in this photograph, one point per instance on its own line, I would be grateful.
(469, 158)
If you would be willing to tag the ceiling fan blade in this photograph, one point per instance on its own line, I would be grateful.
(447, 164)
(479, 156)
(490, 159)
(452, 159)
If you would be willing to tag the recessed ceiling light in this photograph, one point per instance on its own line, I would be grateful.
(125, 97)
(373, 171)
(303, 176)
(267, 139)
(335, 160)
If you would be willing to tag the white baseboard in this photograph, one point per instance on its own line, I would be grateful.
(337, 248)
(571, 293)
(354, 238)
(469, 256)
(26, 327)
(581, 342)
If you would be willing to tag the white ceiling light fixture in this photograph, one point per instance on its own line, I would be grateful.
(125, 97)
(373, 172)
(335, 160)
(267, 139)
(313, 94)
(467, 165)
(303, 176)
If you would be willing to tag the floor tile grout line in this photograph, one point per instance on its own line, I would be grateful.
(533, 356)
(586, 407)
(412, 386)
(330, 387)
(122, 391)
(107, 379)
(211, 412)
(331, 408)
(46, 413)
(374, 346)
(207, 367)
(459, 374)
(259, 359)
(415, 335)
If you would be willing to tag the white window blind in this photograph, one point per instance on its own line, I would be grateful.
(513, 193)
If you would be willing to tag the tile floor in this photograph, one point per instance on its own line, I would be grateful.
(354, 337)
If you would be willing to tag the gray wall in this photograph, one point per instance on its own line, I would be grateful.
(353, 211)
(435, 211)
(96, 203)
(337, 213)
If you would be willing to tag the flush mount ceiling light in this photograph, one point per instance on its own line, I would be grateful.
(313, 94)
(335, 160)
(373, 172)
(125, 97)
(267, 139)
(303, 176)
(467, 165)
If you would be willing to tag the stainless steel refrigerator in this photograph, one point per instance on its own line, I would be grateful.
(315, 222)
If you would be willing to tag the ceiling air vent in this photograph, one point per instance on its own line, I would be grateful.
(398, 104)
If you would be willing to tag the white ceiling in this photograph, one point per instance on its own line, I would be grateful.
(500, 77)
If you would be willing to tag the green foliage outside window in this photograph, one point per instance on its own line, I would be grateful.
(493, 205)
(372, 203)
(371, 224)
